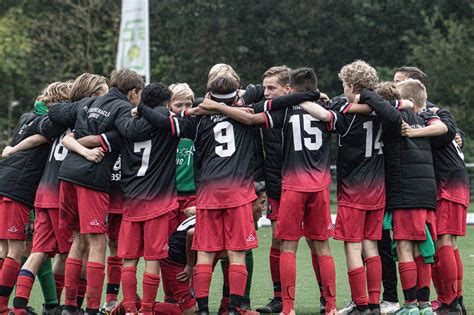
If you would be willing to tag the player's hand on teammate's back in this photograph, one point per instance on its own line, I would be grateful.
(6, 151)
(134, 112)
(185, 274)
(94, 155)
(406, 130)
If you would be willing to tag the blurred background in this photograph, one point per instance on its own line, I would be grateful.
(46, 41)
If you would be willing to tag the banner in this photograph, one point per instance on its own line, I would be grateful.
(134, 40)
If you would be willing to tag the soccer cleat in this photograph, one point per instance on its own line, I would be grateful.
(463, 307)
(239, 311)
(203, 311)
(356, 311)
(292, 312)
(274, 306)
(108, 307)
(387, 307)
(435, 304)
(56, 310)
(348, 308)
(408, 309)
(452, 309)
(425, 308)
(245, 305)
(322, 305)
(69, 310)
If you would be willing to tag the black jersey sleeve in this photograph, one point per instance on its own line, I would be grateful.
(253, 94)
(448, 119)
(275, 119)
(384, 109)
(66, 113)
(50, 130)
(285, 101)
(111, 141)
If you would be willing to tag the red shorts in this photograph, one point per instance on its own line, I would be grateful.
(176, 290)
(225, 229)
(186, 202)
(48, 238)
(356, 225)
(144, 238)
(14, 217)
(272, 209)
(82, 208)
(304, 214)
(177, 216)
(114, 220)
(409, 224)
(450, 218)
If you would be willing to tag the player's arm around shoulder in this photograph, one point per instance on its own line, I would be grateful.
(241, 115)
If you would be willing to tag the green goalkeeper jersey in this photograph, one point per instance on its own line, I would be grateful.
(185, 168)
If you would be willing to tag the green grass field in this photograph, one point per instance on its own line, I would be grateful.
(307, 295)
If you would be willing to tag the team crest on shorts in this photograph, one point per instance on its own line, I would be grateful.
(94, 222)
(165, 248)
(251, 238)
(12, 229)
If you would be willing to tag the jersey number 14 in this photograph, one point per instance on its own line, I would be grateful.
(371, 145)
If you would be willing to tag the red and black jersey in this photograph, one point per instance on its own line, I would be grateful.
(93, 116)
(306, 149)
(360, 161)
(149, 170)
(22, 171)
(224, 149)
(409, 174)
(452, 178)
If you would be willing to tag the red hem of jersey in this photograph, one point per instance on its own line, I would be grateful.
(226, 206)
(360, 207)
(148, 217)
(115, 211)
(54, 206)
(299, 189)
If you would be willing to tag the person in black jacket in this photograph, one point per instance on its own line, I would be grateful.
(21, 173)
(410, 185)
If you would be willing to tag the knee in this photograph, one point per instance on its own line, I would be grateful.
(97, 241)
(321, 248)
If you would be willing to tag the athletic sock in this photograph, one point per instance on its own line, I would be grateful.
(408, 279)
(151, 282)
(374, 278)
(71, 280)
(202, 275)
(249, 266)
(317, 272)
(114, 266)
(81, 292)
(275, 271)
(48, 285)
(435, 275)
(237, 280)
(460, 270)
(358, 285)
(95, 283)
(288, 280)
(24, 284)
(423, 281)
(8, 278)
(328, 280)
(129, 289)
(59, 281)
(448, 282)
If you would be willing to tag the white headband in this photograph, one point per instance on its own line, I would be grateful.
(224, 96)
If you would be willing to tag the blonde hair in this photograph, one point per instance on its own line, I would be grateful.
(55, 92)
(181, 91)
(413, 89)
(86, 85)
(388, 90)
(222, 69)
(282, 73)
(360, 75)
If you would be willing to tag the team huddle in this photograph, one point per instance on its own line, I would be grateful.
(151, 171)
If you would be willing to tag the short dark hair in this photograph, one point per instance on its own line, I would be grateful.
(156, 94)
(303, 80)
(126, 80)
(414, 73)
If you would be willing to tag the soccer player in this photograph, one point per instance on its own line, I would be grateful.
(84, 185)
(21, 173)
(410, 189)
(305, 181)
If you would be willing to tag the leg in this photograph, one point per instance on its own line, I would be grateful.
(129, 285)
(73, 270)
(114, 267)
(407, 268)
(389, 268)
(151, 282)
(10, 269)
(357, 274)
(373, 267)
(237, 278)
(95, 270)
(202, 274)
(288, 274)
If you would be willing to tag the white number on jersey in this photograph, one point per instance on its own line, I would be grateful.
(146, 146)
(58, 150)
(298, 140)
(458, 150)
(378, 144)
(224, 134)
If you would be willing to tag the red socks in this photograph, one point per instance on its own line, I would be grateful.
(423, 281)
(151, 283)
(358, 284)
(114, 267)
(373, 266)
(447, 272)
(59, 281)
(71, 280)
(95, 282)
(237, 279)
(288, 280)
(328, 280)
(129, 289)
(202, 275)
(275, 271)
(317, 272)
(460, 269)
(408, 279)
(24, 284)
(8, 278)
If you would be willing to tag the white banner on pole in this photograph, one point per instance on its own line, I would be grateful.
(134, 43)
